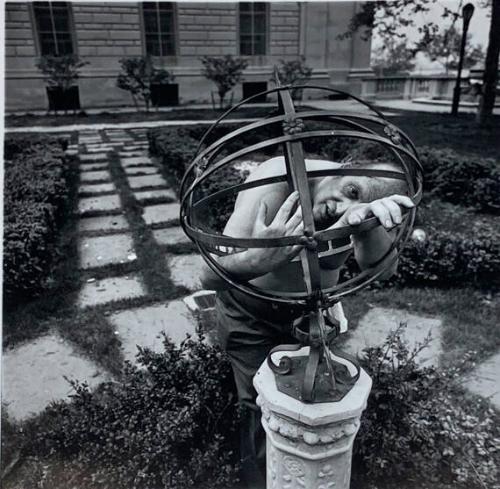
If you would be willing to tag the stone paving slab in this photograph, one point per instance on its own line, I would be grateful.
(135, 161)
(95, 176)
(161, 213)
(132, 153)
(33, 375)
(110, 289)
(98, 188)
(93, 166)
(100, 149)
(101, 203)
(94, 157)
(146, 181)
(484, 380)
(103, 223)
(166, 193)
(144, 170)
(100, 251)
(186, 270)
(377, 323)
(144, 326)
(171, 236)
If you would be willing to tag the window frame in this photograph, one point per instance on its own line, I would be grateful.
(36, 31)
(267, 30)
(175, 36)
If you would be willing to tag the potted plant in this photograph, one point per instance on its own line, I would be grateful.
(294, 72)
(61, 72)
(225, 72)
(145, 82)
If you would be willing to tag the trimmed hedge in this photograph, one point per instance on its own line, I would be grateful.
(462, 179)
(444, 258)
(36, 195)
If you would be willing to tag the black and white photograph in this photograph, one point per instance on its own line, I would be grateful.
(250, 245)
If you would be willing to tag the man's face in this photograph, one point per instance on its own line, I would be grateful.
(334, 195)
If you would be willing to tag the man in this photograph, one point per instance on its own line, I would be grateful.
(248, 327)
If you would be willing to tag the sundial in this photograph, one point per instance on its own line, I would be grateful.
(323, 373)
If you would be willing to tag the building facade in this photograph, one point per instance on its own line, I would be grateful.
(176, 35)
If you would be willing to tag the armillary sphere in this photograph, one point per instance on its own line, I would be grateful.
(294, 132)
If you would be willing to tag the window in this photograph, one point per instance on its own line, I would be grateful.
(159, 28)
(54, 28)
(253, 28)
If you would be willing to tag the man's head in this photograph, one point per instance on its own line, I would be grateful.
(335, 194)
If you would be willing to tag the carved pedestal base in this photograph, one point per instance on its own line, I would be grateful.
(309, 446)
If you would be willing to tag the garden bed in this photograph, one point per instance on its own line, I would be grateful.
(176, 114)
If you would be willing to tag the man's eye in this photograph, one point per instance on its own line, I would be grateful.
(352, 192)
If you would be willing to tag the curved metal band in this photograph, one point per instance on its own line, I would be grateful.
(284, 139)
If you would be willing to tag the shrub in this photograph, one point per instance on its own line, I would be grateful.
(225, 72)
(294, 72)
(460, 179)
(414, 428)
(37, 195)
(171, 422)
(61, 71)
(137, 76)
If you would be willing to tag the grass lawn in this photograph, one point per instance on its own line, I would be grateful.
(460, 133)
(175, 114)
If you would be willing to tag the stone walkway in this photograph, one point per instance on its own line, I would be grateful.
(33, 373)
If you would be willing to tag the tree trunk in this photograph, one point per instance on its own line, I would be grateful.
(221, 98)
(490, 76)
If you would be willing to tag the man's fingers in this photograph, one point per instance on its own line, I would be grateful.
(285, 210)
(260, 219)
(295, 220)
(394, 210)
(382, 213)
(402, 200)
(355, 216)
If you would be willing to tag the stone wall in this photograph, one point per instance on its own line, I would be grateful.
(105, 32)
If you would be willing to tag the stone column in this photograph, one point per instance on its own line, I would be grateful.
(309, 446)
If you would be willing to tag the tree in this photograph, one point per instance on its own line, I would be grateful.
(393, 58)
(392, 18)
(294, 72)
(490, 77)
(445, 49)
(61, 71)
(137, 76)
(225, 72)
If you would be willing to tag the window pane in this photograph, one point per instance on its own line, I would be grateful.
(47, 47)
(65, 46)
(166, 23)
(152, 46)
(150, 6)
(259, 24)
(259, 7)
(260, 44)
(245, 7)
(166, 6)
(167, 46)
(44, 22)
(150, 22)
(61, 21)
(246, 47)
(246, 24)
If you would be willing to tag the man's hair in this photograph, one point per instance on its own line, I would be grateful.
(381, 186)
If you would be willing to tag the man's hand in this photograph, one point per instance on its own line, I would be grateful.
(265, 260)
(388, 211)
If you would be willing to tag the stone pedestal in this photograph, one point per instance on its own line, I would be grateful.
(309, 446)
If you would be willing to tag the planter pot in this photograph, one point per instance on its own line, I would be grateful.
(60, 99)
(164, 94)
(253, 88)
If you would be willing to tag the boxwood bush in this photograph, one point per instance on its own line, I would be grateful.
(37, 195)
(171, 422)
(414, 429)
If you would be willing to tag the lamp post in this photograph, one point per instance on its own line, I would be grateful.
(467, 12)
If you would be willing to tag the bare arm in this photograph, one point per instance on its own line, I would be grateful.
(370, 246)
(249, 220)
